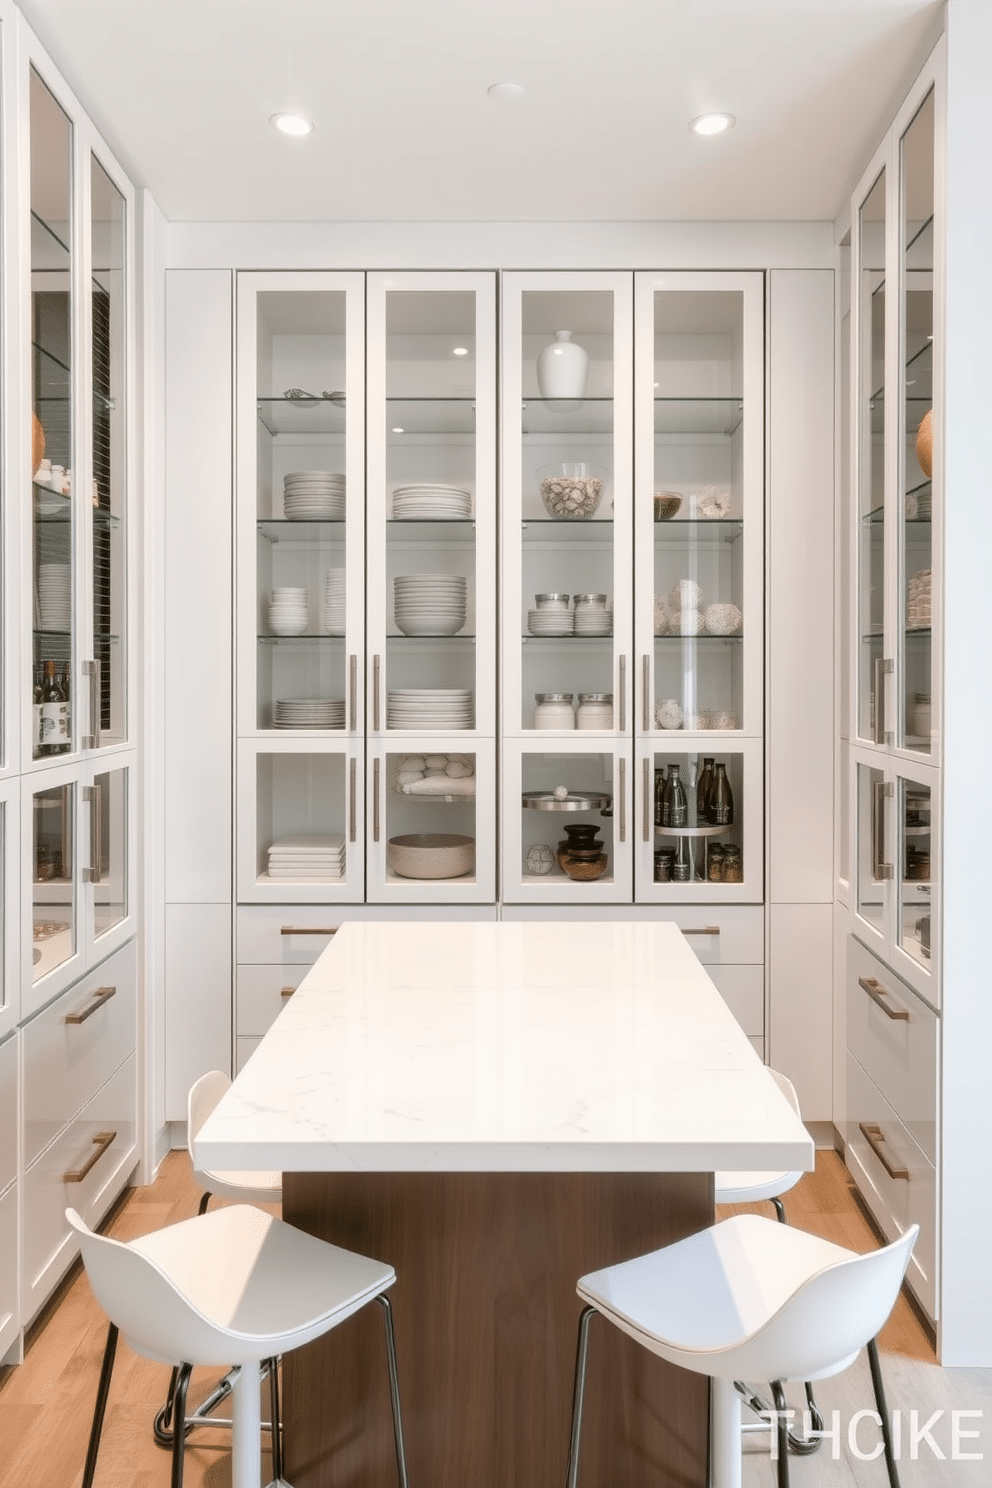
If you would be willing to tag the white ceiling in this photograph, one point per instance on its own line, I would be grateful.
(405, 129)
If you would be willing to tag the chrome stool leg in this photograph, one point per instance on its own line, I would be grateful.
(394, 1388)
(578, 1396)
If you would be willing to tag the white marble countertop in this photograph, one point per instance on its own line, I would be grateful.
(441, 1046)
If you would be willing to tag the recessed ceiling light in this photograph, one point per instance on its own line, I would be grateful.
(459, 351)
(506, 90)
(712, 123)
(293, 124)
(398, 430)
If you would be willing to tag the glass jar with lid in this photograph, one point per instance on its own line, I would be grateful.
(554, 710)
(595, 710)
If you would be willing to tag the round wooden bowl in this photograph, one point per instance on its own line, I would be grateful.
(924, 444)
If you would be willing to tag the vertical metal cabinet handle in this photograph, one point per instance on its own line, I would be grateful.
(623, 693)
(91, 669)
(353, 691)
(100, 996)
(880, 869)
(352, 805)
(883, 668)
(94, 795)
(375, 800)
(878, 994)
(875, 1137)
(646, 693)
(102, 1140)
(623, 800)
(647, 801)
(375, 693)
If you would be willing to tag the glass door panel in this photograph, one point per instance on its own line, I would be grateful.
(871, 461)
(52, 423)
(873, 870)
(567, 470)
(917, 249)
(108, 865)
(53, 887)
(108, 494)
(914, 884)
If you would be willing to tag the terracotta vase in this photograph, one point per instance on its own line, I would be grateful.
(37, 443)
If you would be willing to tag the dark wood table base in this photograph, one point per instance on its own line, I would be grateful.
(486, 1317)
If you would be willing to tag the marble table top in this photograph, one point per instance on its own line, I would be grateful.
(440, 1046)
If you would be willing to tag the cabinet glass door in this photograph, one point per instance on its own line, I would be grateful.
(108, 495)
(10, 994)
(52, 421)
(432, 501)
(913, 931)
(874, 869)
(54, 922)
(915, 717)
(107, 869)
(568, 826)
(871, 472)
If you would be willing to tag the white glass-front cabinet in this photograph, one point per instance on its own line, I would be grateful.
(10, 847)
(301, 587)
(699, 593)
(895, 799)
(431, 599)
(567, 478)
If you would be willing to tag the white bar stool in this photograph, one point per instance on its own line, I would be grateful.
(248, 1188)
(749, 1298)
(232, 1286)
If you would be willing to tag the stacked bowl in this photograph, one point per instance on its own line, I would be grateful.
(430, 502)
(54, 596)
(334, 602)
(288, 615)
(429, 604)
(313, 496)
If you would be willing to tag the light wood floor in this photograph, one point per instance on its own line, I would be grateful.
(46, 1403)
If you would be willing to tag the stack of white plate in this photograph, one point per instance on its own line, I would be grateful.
(54, 596)
(550, 622)
(416, 708)
(334, 602)
(288, 615)
(593, 620)
(431, 503)
(429, 604)
(307, 713)
(310, 859)
(313, 496)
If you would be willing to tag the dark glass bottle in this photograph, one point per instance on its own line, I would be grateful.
(65, 687)
(659, 798)
(721, 799)
(51, 713)
(703, 787)
(680, 867)
(36, 735)
(678, 805)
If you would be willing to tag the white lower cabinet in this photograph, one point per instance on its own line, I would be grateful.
(9, 1235)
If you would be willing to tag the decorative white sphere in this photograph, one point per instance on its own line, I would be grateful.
(561, 792)
(540, 859)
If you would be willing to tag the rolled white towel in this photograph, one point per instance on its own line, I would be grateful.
(457, 771)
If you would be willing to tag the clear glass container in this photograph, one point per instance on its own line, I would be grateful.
(53, 422)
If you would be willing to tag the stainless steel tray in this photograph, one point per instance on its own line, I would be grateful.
(574, 801)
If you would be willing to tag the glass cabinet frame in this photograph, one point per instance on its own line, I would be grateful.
(10, 899)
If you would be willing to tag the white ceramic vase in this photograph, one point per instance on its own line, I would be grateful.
(562, 368)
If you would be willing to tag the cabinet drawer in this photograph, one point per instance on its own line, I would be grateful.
(730, 934)
(743, 990)
(898, 1198)
(244, 1048)
(66, 1062)
(9, 1309)
(265, 933)
(894, 1038)
(8, 1112)
(100, 1147)
(262, 995)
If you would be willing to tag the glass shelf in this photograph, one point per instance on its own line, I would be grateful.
(50, 356)
(876, 518)
(911, 633)
(409, 639)
(102, 518)
(301, 416)
(51, 236)
(922, 235)
(577, 532)
(698, 415)
(307, 639)
(99, 639)
(566, 639)
(736, 639)
(282, 529)
(699, 532)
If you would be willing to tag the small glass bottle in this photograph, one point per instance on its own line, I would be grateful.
(680, 867)
(659, 798)
(733, 864)
(678, 805)
(703, 787)
(721, 798)
(52, 715)
(714, 862)
(65, 686)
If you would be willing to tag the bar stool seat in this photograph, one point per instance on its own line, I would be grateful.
(232, 1286)
(752, 1298)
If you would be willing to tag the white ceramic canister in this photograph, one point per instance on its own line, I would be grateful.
(551, 601)
(595, 710)
(562, 368)
(554, 710)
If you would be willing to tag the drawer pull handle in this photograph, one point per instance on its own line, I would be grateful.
(878, 994)
(307, 930)
(286, 991)
(702, 930)
(875, 1137)
(101, 1141)
(100, 996)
